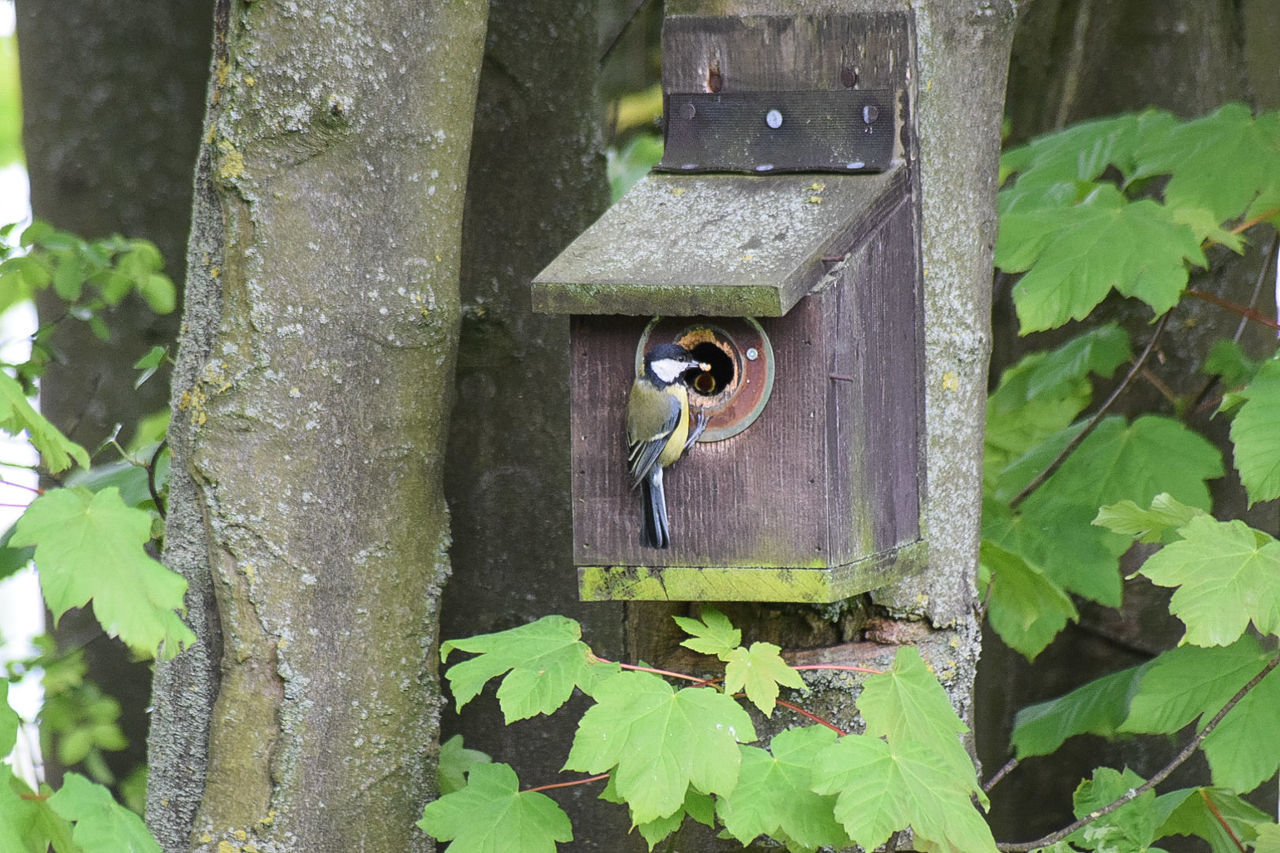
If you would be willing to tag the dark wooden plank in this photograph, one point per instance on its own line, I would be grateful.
(761, 53)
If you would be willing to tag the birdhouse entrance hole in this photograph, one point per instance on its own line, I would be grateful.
(733, 393)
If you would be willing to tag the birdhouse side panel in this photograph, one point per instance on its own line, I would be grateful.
(875, 408)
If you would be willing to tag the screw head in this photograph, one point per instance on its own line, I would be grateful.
(773, 118)
(752, 354)
(870, 113)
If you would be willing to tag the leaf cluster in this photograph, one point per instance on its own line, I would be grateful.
(91, 539)
(1128, 207)
(671, 754)
(89, 276)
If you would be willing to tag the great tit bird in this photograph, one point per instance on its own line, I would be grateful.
(658, 431)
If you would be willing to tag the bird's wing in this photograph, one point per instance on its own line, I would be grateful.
(649, 438)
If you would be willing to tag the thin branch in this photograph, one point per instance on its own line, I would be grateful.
(575, 782)
(1000, 774)
(1198, 403)
(1053, 466)
(840, 668)
(1249, 223)
(35, 490)
(1267, 260)
(1243, 311)
(1133, 793)
(819, 720)
(151, 478)
(668, 673)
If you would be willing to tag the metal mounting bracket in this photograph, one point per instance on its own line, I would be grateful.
(848, 130)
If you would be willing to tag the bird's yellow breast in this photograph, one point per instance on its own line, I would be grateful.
(675, 445)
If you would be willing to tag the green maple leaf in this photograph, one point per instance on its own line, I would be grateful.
(89, 545)
(1155, 524)
(697, 805)
(759, 670)
(1227, 360)
(1054, 529)
(773, 796)
(491, 815)
(1083, 151)
(17, 414)
(1220, 162)
(1227, 575)
(101, 824)
(1130, 828)
(1185, 683)
(906, 704)
(1099, 707)
(1190, 683)
(1024, 606)
(1073, 257)
(714, 634)
(881, 789)
(661, 741)
(1255, 432)
(1217, 815)
(544, 661)
(1268, 839)
(19, 817)
(455, 762)
(1044, 392)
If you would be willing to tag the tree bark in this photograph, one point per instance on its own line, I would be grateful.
(312, 400)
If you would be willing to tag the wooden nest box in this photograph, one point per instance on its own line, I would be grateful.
(778, 239)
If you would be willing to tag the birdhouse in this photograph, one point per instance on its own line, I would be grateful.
(778, 241)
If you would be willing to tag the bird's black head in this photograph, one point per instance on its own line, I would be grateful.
(664, 363)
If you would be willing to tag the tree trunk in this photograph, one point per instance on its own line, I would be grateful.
(312, 400)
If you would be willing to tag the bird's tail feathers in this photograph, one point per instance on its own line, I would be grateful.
(654, 532)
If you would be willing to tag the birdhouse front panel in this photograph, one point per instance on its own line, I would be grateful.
(818, 497)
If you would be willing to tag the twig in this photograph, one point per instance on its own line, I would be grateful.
(1243, 311)
(1134, 793)
(1198, 402)
(802, 712)
(840, 667)
(626, 25)
(585, 781)
(1249, 223)
(1053, 466)
(151, 479)
(1000, 774)
(35, 490)
(665, 672)
(1257, 285)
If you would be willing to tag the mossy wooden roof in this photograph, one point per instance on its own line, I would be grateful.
(716, 245)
